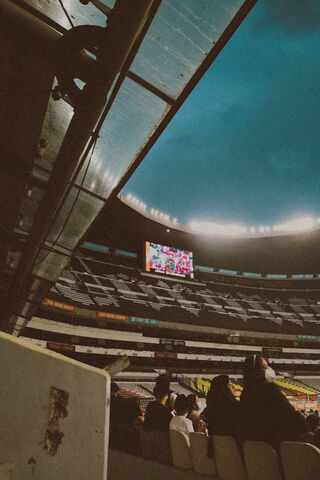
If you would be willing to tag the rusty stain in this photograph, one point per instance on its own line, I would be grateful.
(57, 409)
(32, 462)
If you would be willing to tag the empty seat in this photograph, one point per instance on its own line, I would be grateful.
(300, 461)
(228, 459)
(199, 448)
(181, 455)
(262, 461)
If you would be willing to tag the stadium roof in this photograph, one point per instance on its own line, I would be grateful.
(81, 107)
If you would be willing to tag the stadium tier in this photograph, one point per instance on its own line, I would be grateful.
(106, 305)
(207, 300)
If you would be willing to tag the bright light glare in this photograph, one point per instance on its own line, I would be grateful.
(298, 224)
(211, 228)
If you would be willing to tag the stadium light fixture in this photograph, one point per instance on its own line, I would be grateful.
(217, 229)
(297, 225)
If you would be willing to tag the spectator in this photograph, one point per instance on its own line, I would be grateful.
(180, 423)
(125, 415)
(267, 414)
(316, 438)
(164, 381)
(193, 410)
(313, 422)
(223, 410)
(131, 411)
(158, 415)
(115, 414)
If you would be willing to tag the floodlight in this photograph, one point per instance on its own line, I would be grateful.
(211, 228)
(298, 224)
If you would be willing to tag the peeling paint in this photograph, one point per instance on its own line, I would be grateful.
(57, 409)
(32, 462)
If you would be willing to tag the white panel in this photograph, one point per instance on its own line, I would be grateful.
(27, 375)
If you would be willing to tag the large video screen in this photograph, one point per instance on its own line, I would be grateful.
(168, 260)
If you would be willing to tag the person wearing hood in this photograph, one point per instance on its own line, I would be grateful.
(267, 414)
(223, 413)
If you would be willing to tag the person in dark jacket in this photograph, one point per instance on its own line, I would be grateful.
(267, 414)
(223, 414)
(158, 415)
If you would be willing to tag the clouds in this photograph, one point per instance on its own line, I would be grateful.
(246, 144)
(293, 17)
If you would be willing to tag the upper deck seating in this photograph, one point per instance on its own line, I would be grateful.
(95, 284)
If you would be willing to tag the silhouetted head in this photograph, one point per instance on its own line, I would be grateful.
(192, 400)
(164, 382)
(313, 422)
(181, 405)
(221, 389)
(160, 392)
(254, 369)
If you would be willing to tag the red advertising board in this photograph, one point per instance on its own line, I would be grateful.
(165, 355)
(113, 316)
(61, 347)
(63, 306)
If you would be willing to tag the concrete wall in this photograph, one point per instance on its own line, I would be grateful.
(27, 375)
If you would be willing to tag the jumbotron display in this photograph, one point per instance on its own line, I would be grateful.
(168, 260)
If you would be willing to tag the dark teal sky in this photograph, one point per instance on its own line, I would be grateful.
(245, 146)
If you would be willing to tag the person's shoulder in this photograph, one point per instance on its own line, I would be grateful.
(274, 388)
(173, 422)
(188, 421)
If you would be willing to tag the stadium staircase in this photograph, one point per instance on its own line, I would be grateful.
(146, 389)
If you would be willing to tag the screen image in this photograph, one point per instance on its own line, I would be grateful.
(168, 260)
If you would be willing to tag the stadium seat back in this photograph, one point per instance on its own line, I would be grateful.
(161, 446)
(200, 461)
(146, 444)
(262, 461)
(228, 459)
(181, 455)
(300, 461)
